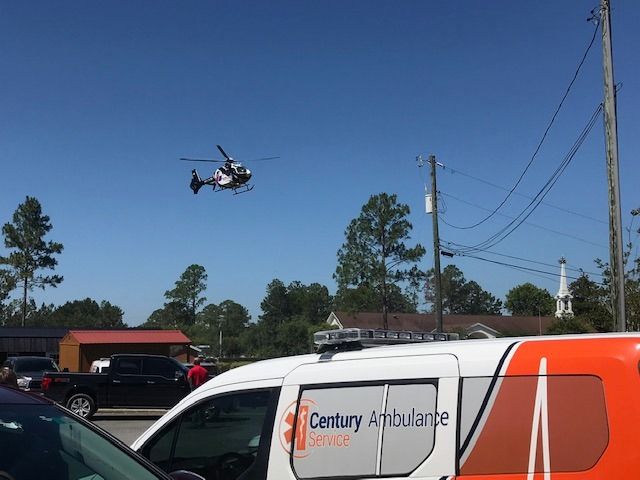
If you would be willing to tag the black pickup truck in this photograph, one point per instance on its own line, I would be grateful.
(133, 381)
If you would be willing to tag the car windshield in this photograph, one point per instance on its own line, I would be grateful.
(41, 442)
(35, 365)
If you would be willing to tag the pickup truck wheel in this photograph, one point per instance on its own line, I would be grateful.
(82, 405)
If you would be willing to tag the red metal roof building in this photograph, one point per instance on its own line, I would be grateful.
(79, 348)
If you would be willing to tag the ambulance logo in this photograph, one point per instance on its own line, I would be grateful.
(316, 429)
(287, 423)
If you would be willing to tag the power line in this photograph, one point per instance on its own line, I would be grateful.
(520, 267)
(513, 257)
(544, 135)
(568, 235)
(486, 182)
(503, 233)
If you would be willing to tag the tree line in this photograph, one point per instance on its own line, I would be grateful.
(377, 271)
(290, 315)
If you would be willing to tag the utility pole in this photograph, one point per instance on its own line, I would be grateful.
(611, 133)
(437, 304)
(220, 318)
(539, 321)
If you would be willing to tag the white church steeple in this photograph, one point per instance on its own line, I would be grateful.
(563, 298)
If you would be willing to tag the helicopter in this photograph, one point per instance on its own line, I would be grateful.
(232, 175)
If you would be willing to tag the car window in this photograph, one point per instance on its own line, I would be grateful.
(577, 430)
(129, 366)
(367, 430)
(41, 442)
(332, 436)
(35, 365)
(409, 420)
(160, 366)
(218, 439)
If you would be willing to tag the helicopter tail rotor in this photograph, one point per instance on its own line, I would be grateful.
(196, 181)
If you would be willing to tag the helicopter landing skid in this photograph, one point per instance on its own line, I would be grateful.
(243, 189)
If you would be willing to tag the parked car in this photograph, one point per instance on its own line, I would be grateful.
(30, 370)
(41, 440)
(133, 381)
(506, 408)
(100, 366)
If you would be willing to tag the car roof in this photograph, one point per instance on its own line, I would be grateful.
(11, 396)
(30, 357)
(143, 355)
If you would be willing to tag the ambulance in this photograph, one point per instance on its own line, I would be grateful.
(421, 407)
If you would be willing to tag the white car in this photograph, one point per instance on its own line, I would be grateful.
(100, 366)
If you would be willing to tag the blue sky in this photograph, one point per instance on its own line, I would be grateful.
(99, 100)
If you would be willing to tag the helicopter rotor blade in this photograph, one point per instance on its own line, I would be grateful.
(261, 159)
(202, 160)
(224, 153)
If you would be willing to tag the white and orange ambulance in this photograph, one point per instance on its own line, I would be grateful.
(534, 408)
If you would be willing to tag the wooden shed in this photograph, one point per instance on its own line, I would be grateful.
(79, 348)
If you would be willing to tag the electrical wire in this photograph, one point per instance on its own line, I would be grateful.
(514, 257)
(564, 234)
(503, 233)
(522, 268)
(559, 169)
(544, 135)
(453, 171)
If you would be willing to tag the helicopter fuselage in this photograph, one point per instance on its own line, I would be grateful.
(231, 175)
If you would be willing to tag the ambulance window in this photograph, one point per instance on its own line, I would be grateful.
(474, 391)
(334, 434)
(218, 439)
(367, 430)
(501, 441)
(409, 427)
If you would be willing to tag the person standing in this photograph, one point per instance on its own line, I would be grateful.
(8, 377)
(197, 374)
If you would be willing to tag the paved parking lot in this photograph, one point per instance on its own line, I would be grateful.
(126, 425)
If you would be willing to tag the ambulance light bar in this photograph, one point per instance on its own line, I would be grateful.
(369, 337)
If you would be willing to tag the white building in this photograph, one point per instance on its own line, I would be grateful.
(563, 298)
